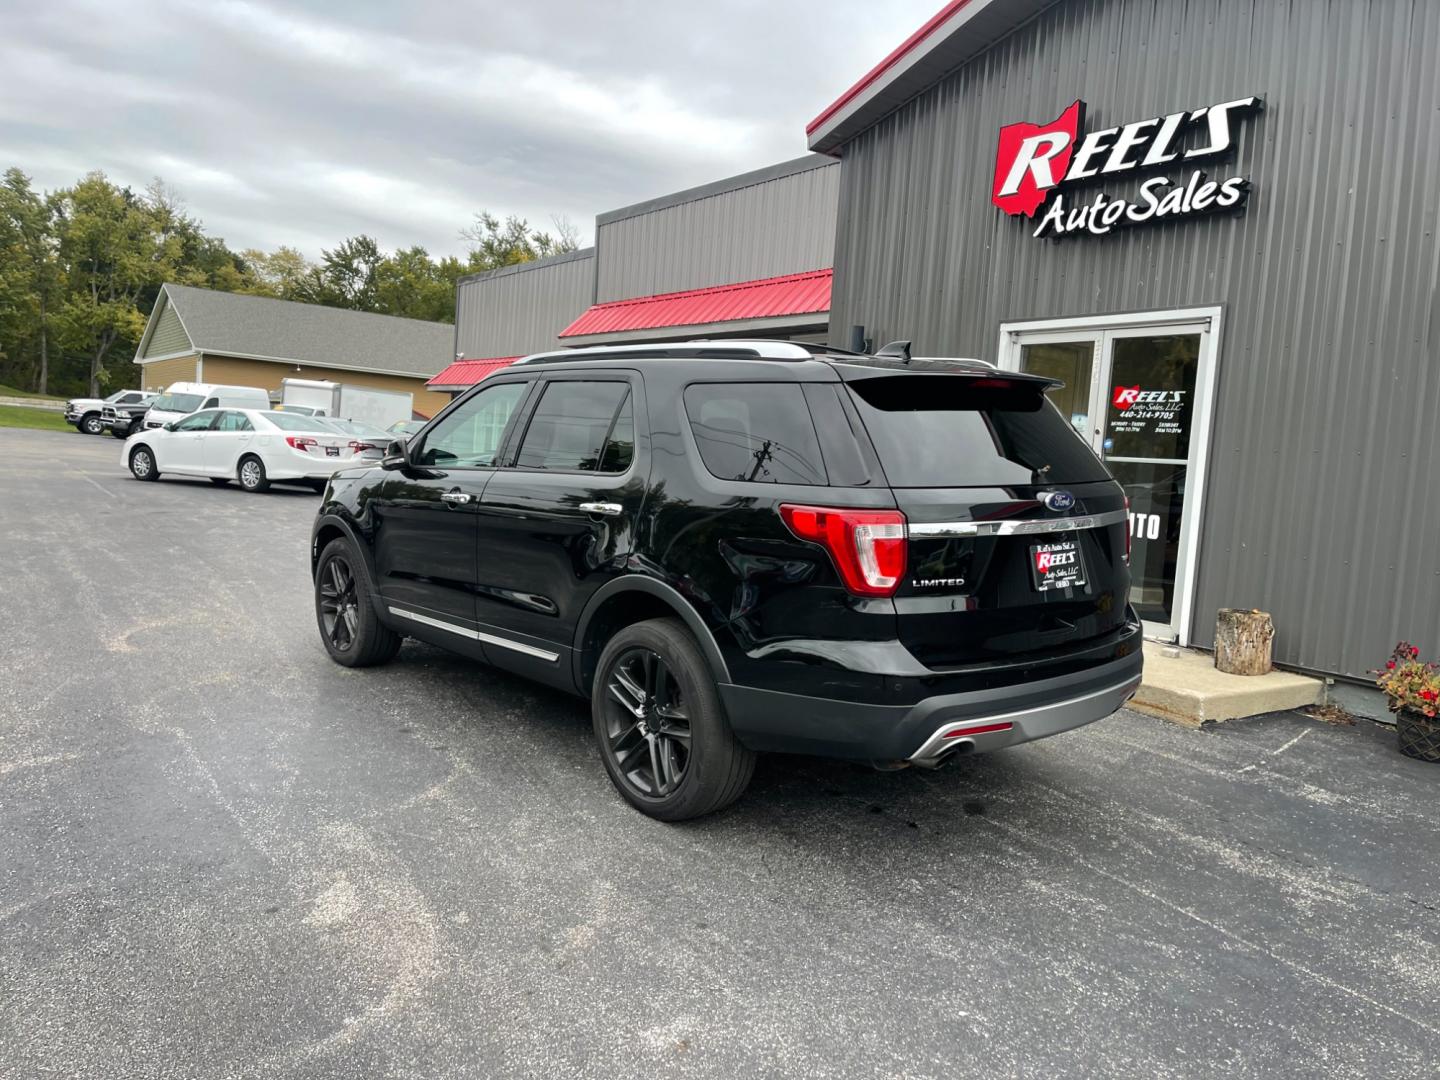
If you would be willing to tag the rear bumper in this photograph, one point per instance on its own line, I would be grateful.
(936, 726)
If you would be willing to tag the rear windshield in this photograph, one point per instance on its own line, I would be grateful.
(960, 431)
(295, 422)
(183, 403)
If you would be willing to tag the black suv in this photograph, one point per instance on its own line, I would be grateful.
(733, 547)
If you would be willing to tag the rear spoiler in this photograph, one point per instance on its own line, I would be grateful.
(983, 375)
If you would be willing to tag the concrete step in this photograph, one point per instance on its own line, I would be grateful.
(1186, 688)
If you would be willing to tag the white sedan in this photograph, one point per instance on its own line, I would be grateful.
(254, 446)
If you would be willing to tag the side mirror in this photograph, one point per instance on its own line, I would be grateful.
(397, 455)
(170, 426)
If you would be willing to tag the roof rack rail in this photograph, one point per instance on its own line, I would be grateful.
(735, 349)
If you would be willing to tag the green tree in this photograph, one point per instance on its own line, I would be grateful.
(494, 243)
(30, 278)
(115, 247)
(412, 285)
(282, 274)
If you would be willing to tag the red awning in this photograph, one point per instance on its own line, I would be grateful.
(792, 294)
(463, 373)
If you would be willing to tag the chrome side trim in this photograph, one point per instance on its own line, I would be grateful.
(1063, 715)
(1019, 526)
(465, 631)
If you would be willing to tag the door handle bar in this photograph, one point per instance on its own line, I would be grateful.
(455, 498)
(608, 509)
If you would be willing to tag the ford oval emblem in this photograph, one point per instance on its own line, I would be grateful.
(1057, 500)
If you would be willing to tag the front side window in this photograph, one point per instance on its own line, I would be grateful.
(572, 429)
(199, 421)
(469, 436)
(127, 399)
(760, 432)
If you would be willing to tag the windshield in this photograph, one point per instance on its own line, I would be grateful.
(294, 422)
(181, 403)
(958, 431)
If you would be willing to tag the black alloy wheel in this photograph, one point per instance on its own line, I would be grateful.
(661, 726)
(646, 723)
(352, 633)
(339, 604)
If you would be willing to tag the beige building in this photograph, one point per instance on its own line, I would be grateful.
(200, 335)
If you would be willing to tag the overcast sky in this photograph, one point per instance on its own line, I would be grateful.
(303, 123)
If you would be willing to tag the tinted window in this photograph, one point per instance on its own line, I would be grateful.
(570, 426)
(620, 447)
(755, 431)
(199, 421)
(128, 399)
(959, 431)
(470, 435)
(293, 422)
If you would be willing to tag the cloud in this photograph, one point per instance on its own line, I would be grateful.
(305, 123)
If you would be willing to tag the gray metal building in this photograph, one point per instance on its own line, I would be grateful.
(746, 255)
(1252, 338)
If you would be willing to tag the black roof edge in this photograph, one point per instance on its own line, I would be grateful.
(717, 187)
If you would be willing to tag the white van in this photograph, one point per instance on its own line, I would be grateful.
(183, 398)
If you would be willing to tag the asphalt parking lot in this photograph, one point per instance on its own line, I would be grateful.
(221, 855)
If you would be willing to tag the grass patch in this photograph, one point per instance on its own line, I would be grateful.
(10, 391)
(20, 416)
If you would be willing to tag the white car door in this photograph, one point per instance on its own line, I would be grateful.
(181, 450)
(232, 435)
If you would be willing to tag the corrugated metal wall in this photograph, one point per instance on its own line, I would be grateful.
(779, 226)
(521, 309)
(1324, 497)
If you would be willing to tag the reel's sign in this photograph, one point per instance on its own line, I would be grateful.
(1035, 163)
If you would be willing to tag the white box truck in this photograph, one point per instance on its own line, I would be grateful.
(317, 397)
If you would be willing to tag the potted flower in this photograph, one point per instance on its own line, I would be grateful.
(1413, 689)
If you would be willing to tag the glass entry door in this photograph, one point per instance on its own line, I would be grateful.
(1133, 392)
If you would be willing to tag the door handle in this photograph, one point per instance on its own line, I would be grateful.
(455, 498)
(608, 509)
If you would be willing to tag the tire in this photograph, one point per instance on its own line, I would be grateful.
(251, 472)
(142, 463)
(121, 435)
(698, 773)
(220, 481)
(90, 424)
(349, 629)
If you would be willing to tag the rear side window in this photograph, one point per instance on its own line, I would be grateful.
(761, 432)
(960, 431)
(572, 426)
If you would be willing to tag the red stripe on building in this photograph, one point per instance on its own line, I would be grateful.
(791, 294)
(885, 65)
(469, 372)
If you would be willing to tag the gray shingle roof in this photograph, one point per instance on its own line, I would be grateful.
(256, 326)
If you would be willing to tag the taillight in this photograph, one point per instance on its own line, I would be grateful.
(356, 446)
(867, 546)
(300, 442)
(1129, 529)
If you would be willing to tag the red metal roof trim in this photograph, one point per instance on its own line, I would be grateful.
(885, 65)
(469, 372)
(790, 294)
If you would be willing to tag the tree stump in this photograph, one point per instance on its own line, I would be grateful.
(1243, 641)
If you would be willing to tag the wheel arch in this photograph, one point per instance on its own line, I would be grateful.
(632, 599)
(330, 527)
